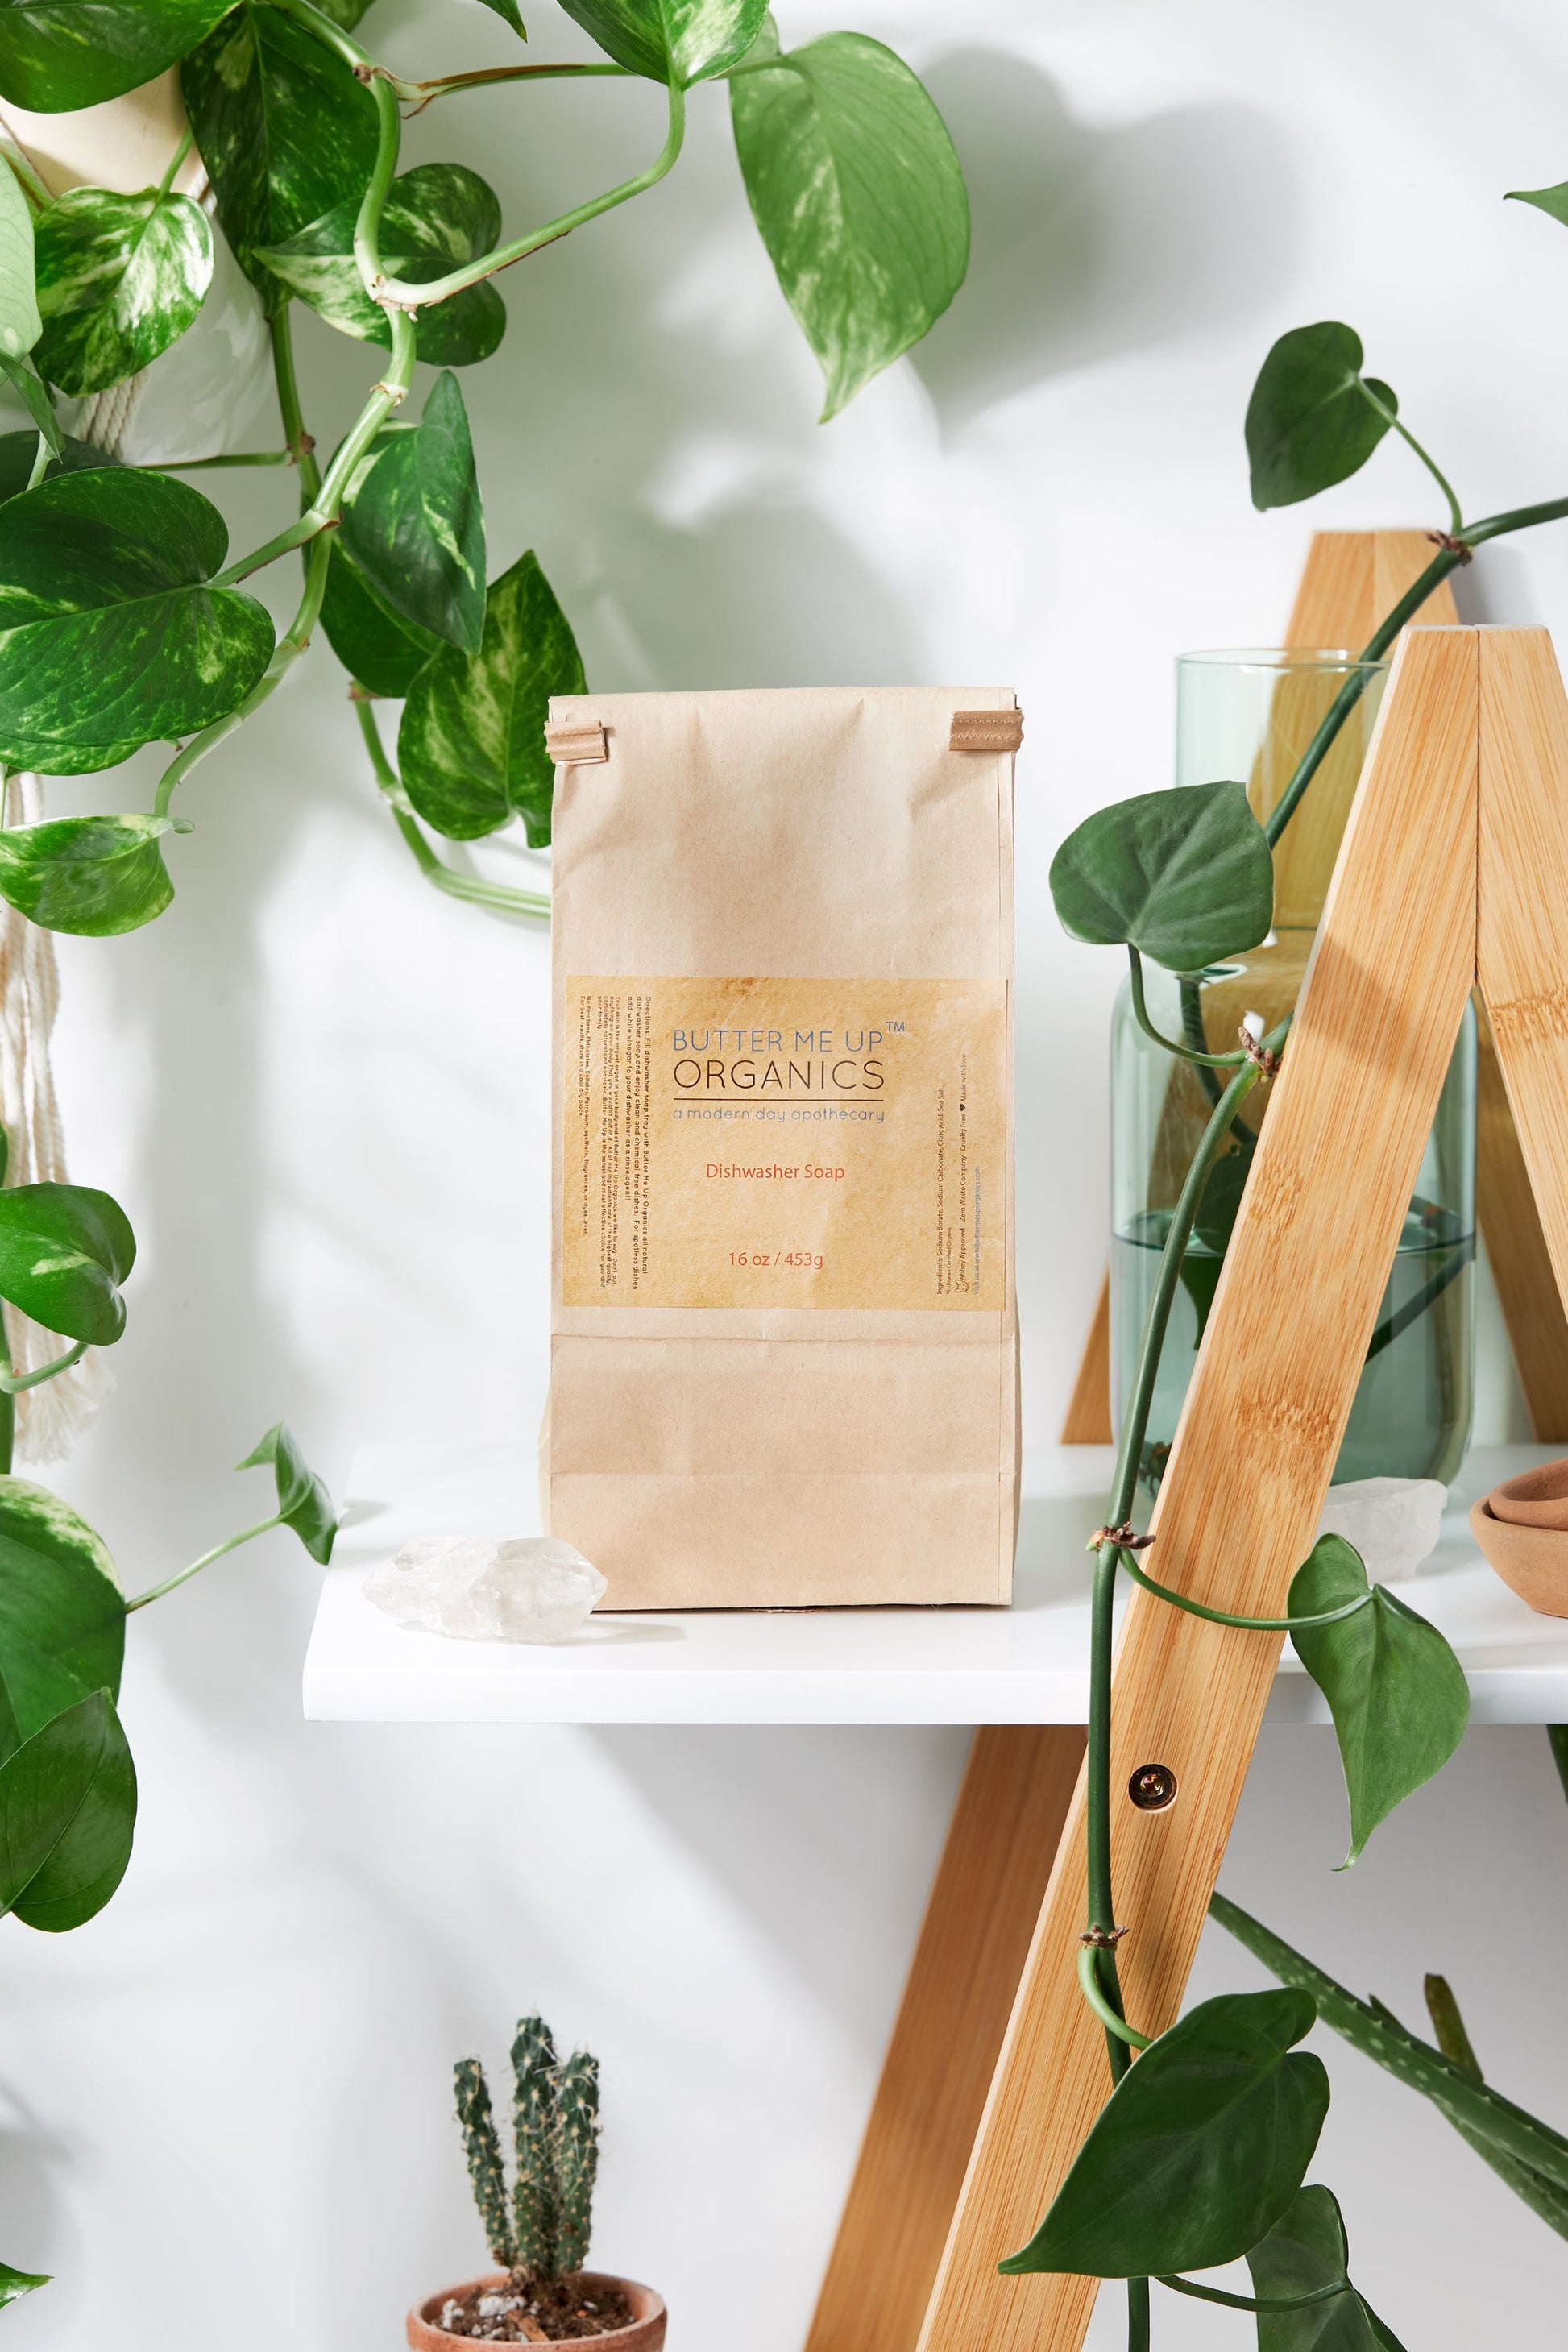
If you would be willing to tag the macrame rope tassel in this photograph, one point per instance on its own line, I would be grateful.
(50, 1418)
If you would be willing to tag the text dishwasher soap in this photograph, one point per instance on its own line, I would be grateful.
(784, 1349)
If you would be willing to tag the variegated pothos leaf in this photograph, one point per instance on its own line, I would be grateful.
(858, 197)
(120, 280)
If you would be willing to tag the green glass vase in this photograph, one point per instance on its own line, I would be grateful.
(1251, 716)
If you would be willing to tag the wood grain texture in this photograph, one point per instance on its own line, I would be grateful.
(1350, 580)
(1088, 1421)
(1516, 1246)
(1523, 890)
(985, 1902)
(1270, 1393)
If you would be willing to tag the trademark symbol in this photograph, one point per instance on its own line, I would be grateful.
(897, 1027)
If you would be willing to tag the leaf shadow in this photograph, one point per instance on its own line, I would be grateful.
(1088, 243)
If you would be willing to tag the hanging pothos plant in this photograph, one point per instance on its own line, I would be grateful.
(1201, 2154)
(123, 620)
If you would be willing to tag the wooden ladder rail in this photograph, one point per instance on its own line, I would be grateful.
(1394, 961)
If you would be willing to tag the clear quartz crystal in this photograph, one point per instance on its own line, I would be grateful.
(488, 1588)
(1393, 1523)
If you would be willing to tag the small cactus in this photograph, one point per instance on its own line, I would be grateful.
(536, 2200)
(542, 2231)
(576, 2154)
(482, 2148)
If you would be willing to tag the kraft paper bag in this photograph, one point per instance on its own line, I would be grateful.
(785, 1346)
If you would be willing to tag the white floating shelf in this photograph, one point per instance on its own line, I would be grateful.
(1028, 1664)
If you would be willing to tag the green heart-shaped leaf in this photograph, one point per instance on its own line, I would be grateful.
(471, 745)
(859, 197)
(92, 876)
(413, 523)
(68, 1810)
(438, 217)
(1184, 875)
(1304, 2251)
(1309, 423)
(64, 1252)
(18, 451)
(15, 2284)
(671, 40)
(62, 1612)
(59, 55)
(104, 578)
(1396, 1690)
(1199, 2149)
(303, 1502)
(376, 646)
(284, 129)
(120, 280)
(19, 323)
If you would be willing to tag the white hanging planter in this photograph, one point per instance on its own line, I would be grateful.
(200, 398)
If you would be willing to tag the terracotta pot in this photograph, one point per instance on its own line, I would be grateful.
(1536, 1498)
(1531, 1561)
(644, 2334)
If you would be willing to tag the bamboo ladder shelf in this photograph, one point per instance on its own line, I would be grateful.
(996, 2069)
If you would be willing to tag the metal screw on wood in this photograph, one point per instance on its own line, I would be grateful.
(1152, 1787)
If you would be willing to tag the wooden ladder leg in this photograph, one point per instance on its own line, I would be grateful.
(984, 1900)
(1522, 889)
(1268, 1403)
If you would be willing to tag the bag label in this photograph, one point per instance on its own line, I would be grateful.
(785, 1143)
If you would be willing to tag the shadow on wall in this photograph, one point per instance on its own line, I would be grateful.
(1089, 243)
(751, 597)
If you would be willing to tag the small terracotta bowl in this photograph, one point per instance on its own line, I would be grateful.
(646, 2333)
(1536, 1498)
(1531, 1561)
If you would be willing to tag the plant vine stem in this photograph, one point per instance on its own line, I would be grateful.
(395, 293)
(1447, 559)
(1187, 1053)
(40, 462)
(398, 295)
(1101, 1902)
(322, 514)
(183, 1575)
(175, 160)
(1243, 1624)
(299, 443)
(290, 646)
(499, 896)
(1392, 416)
(7, 1402)
(199, 465)
(417, 95)
(314, 525)
(1111, 2019)
(13, 1383)
(1258, 2302)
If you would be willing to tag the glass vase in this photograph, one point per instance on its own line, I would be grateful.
(1251, 716)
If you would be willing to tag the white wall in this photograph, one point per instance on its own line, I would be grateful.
(321, 1092)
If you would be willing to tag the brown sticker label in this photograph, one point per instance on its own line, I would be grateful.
(785, 1143)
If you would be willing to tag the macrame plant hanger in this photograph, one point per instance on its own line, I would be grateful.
(51, 1417)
